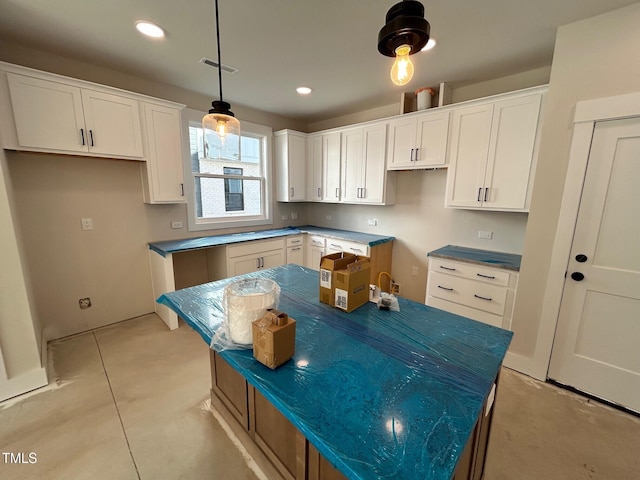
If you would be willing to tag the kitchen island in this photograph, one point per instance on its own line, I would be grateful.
(368, 394)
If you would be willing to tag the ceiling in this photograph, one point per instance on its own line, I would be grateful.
(278, 45)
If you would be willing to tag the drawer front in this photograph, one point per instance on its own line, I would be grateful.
(474, 294)
(315, 241)
(495, 276)
(294, 241)
(249, 248)
(334, 245)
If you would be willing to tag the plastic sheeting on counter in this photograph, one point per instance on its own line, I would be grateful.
(380, 394)
(508, 261)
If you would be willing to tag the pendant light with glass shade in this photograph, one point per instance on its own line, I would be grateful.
(221, 128)
(406, 31)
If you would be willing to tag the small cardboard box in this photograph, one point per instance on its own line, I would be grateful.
(329, 264)
(351, 284)
(274, 338)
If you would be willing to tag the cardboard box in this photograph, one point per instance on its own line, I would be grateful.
(329, 264)
(351, 284)
(274, 338)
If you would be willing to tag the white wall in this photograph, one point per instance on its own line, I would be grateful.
(594, 58)
(420, 224)
(20, 363)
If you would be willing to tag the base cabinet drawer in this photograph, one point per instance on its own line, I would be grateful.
(474, 291)
(479, 295)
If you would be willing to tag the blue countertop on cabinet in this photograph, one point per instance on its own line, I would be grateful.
(508, 261)
(173, 246)
(380, 394)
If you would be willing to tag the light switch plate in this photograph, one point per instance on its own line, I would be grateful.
(485, 234)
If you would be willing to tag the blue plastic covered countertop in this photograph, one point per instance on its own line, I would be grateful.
(173, 246)
(508, 261)
(380, 394)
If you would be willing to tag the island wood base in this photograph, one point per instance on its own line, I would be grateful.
(282, 452)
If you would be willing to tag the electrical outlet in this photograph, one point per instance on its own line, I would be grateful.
(414, 271)
(485, 234)
(395, 288)
(285, 217)
(372, 221)
(87, 223)
(176, 224)
(327, 217)
(294, 215)
(84, 303)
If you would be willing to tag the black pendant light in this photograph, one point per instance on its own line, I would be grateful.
(406, 31)
(221, 119)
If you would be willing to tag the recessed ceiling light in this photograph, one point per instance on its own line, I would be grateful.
(303, 90)
(149, 29)
(430, 44)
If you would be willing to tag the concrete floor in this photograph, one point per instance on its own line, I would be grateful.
(129, 401)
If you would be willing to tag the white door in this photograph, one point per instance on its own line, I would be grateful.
(596, 347)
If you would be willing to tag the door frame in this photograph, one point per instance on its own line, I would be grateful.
(587, 114)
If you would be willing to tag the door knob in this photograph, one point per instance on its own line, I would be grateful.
(577, 276)
(581, 258)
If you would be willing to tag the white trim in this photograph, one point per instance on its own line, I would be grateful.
(587, 113)
(23, 383)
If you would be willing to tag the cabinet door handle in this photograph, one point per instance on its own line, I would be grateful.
(486, 193)
(82, 136)
(417, 153)
(292, 191)
(182, 189)
(411, 155)
(337, 192)
(490, 277)
(479, 194)
(91, 137)
(319, 194)
(445, 288)
(448, 268)
(488, 299)
(258, 263)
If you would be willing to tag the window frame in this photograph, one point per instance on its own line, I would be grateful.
(193, 118)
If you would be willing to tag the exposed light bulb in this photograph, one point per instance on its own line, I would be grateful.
(402, 69)
(221, 129)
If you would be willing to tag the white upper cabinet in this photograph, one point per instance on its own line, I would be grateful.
(163, 172)
(364, 177)
(51, 116)
(291, 170)
(418, 141)
(323, 167)
(314, 168)
(331, 166)
(493, 152)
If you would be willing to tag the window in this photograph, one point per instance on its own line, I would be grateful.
(227, 188)
(233, 197)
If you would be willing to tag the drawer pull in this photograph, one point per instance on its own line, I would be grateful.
(482, 298)
(356, 249)
(491, 277)
(445, 288)
(295, 249)
(449, 268)
(336, 246)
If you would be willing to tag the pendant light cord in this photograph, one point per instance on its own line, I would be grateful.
(218, 40)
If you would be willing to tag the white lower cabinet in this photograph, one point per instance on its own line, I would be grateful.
(478, 292)
(253, 256)
(295, 250)
(334, 245)
(315, 251)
